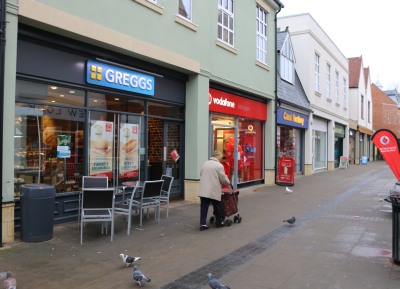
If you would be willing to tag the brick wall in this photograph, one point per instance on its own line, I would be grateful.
(386, 113)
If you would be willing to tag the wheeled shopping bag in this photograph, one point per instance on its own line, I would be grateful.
(229, 206)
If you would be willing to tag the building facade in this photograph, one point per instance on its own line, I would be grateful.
(293, 110)
(361, 111)
(323, 72)
(386, 112)
(133, 90)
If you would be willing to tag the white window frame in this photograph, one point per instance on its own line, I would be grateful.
(226, 22)
(328, 80)
(261, 37)
(337, 86)
(362, 107)
(287, 62)
(188, 9)
(344, 92)
(369, 112)
(316, 72)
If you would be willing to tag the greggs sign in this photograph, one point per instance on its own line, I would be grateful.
(228, 103)
(102, 74)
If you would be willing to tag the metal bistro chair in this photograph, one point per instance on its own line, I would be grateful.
(166, 190)
(91, 182)
(98, 206)
(150, 198)
(125, 207)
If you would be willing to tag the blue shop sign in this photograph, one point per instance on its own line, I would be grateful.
(292, 118)
(99, 73)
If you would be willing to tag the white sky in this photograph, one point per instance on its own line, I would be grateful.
(359, 27)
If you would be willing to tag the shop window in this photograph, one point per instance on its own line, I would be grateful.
(165, 110)
(115, 103)
(320, 147)
(249, 147)
(44, 93)
(48, 145)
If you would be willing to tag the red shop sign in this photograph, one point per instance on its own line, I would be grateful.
(228, 103)
(286, 171)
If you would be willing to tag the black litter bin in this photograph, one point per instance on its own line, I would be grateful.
(395, 199)
(37, 212)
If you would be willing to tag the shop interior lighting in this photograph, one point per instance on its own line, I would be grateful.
(53, 87)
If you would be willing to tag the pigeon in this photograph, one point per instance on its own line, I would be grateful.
(138, 276)
(9, 282)
(214, 283)
(290, 221)
(128, 260)
(288, 190)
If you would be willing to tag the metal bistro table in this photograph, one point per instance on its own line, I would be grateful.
(130, 185)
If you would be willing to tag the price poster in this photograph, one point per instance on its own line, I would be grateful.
(129, 150)
(63, 146)
(101, 148)
(285, 175)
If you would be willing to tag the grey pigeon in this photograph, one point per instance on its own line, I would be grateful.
(10, 282)
(214, 283)
(290, 221)
(138, 276)
(128, 260)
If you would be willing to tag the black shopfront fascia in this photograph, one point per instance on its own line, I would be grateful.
(47, 57)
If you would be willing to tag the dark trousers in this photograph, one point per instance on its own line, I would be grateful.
(204, 204)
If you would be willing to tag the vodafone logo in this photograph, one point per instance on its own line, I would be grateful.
(220, 101)
(384, 140)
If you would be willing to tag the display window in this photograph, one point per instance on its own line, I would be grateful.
(320, 150)
(58, 138)
(240, 140)
(48, 146)
(289, 144)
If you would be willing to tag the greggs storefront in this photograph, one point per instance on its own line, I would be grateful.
(237, 130)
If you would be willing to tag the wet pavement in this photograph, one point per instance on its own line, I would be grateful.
(342, 239)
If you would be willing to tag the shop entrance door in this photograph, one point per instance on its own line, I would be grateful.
(224, 140)
(165, 151)
(114, 147)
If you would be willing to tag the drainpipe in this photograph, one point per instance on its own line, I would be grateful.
(2, 57)
(276, 85)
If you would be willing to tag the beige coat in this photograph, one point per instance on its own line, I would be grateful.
(212, 176)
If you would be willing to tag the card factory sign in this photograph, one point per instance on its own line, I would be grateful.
(292, 118)
(99, 73)
(224, 102)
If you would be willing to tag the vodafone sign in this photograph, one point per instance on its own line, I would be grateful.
(228, 103)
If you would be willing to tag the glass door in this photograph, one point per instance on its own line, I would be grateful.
(224, 136)
(165, 151)
(115, 147)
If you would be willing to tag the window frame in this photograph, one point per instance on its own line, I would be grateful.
(316, 72)
(224, 27)
(190, 17)
(261, 35)
(362, 107)
(337, 86)
(344, 92)
(328, 80)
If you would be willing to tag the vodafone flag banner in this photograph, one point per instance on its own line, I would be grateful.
(388, 146)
